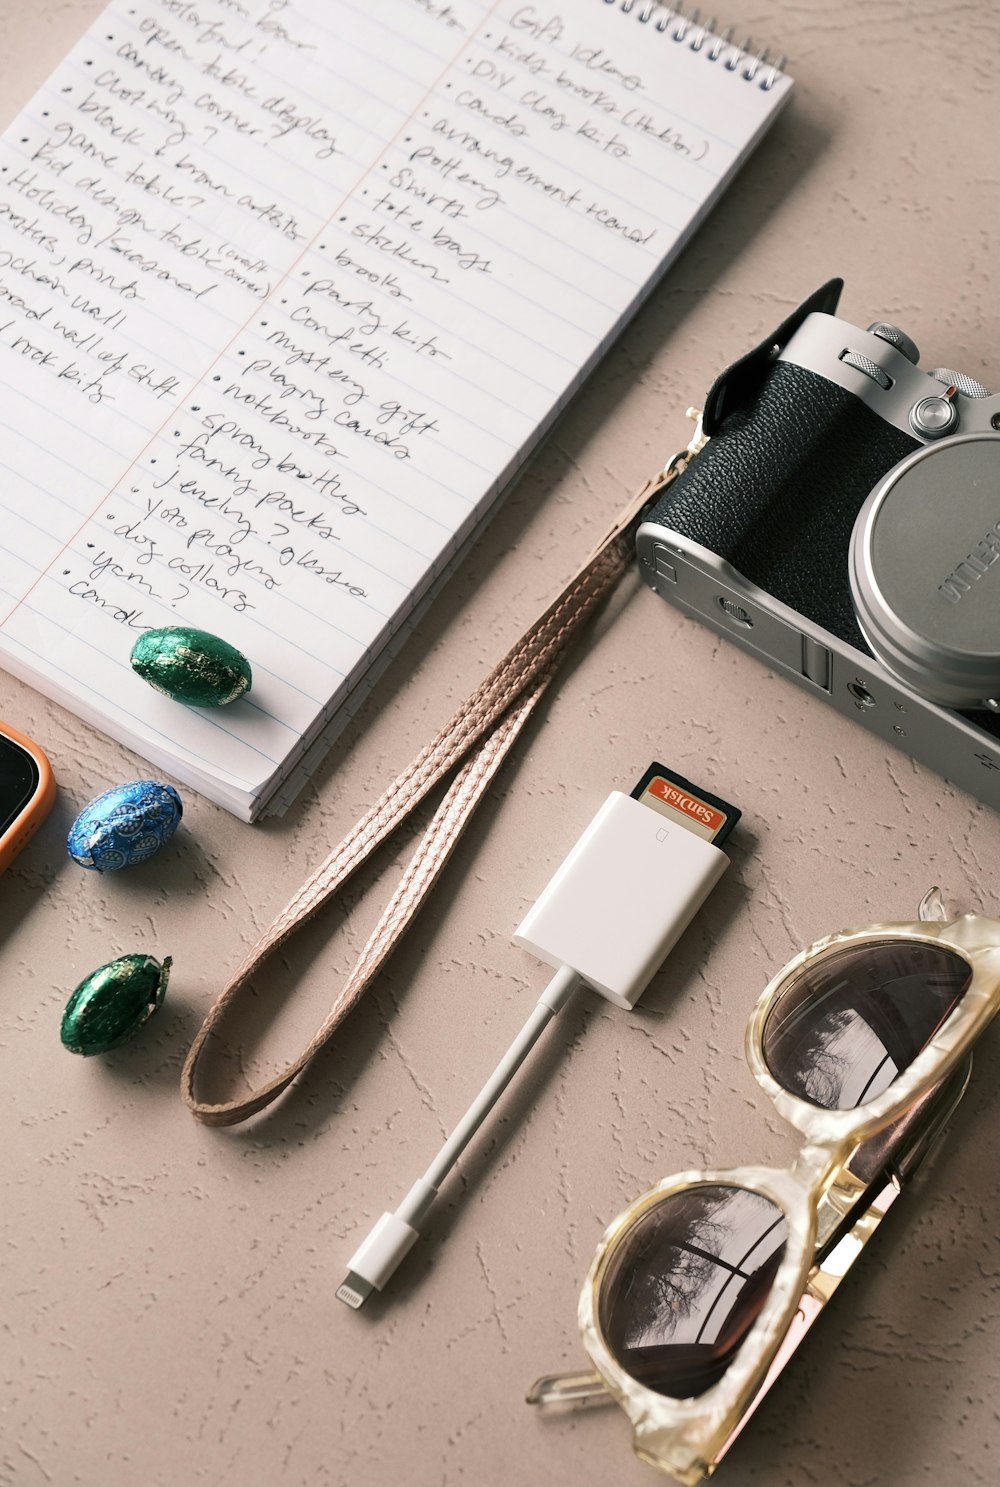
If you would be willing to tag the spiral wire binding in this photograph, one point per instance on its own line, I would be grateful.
(740, 58)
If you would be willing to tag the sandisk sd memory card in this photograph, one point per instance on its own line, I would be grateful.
(687, 804)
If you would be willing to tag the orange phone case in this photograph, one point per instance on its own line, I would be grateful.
(22, 829)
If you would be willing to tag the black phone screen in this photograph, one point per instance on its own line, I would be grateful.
(18, 780)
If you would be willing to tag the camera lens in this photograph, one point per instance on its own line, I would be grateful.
(925, 571)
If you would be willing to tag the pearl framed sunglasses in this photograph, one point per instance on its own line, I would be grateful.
(704, 1287)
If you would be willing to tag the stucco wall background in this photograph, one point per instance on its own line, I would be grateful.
(169, 1314)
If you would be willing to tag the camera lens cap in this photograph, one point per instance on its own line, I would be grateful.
(925, 571)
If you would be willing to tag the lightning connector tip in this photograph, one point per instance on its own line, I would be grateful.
(354, 1291)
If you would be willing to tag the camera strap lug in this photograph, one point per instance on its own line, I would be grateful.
(681, 461)
(630, 517)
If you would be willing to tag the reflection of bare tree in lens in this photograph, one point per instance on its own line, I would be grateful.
(686, 1283)
(845, 1029)
(820, 1060)
(661, 1295)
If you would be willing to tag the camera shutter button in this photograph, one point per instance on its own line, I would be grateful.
(933, 416)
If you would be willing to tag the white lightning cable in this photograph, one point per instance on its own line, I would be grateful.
(608, 917)
(395, 1233)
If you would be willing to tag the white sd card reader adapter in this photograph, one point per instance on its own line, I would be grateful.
(606, 920)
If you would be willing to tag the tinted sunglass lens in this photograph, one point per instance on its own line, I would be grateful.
(685, 1284)
(849, 1025)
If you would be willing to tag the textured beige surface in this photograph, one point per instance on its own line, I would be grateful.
(168, 1313)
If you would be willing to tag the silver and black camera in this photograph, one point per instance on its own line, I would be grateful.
(843, 523)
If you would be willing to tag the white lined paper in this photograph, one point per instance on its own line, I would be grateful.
(288, 291)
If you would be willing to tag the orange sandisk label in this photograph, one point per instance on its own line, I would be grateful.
(677, 798)
(689, 805)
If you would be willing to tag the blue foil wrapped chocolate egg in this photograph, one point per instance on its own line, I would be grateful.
(125, 825)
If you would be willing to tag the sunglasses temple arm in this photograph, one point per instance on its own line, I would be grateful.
(823, 1282)
(928, 1135)
(902, 1146)
(567, 1388)
(907, 1147)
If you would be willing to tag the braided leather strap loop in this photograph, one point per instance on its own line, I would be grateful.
(475, 742)
(480, 733)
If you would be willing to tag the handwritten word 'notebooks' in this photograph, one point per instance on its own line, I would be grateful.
(289, 289)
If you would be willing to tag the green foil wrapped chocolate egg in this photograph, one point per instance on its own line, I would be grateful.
(191, 666)
(113, 1002)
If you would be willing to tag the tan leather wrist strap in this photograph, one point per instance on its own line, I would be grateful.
(477, 738)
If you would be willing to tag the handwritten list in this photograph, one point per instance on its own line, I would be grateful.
(288, 291)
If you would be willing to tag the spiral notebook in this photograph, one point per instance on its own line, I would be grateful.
(289, 290)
